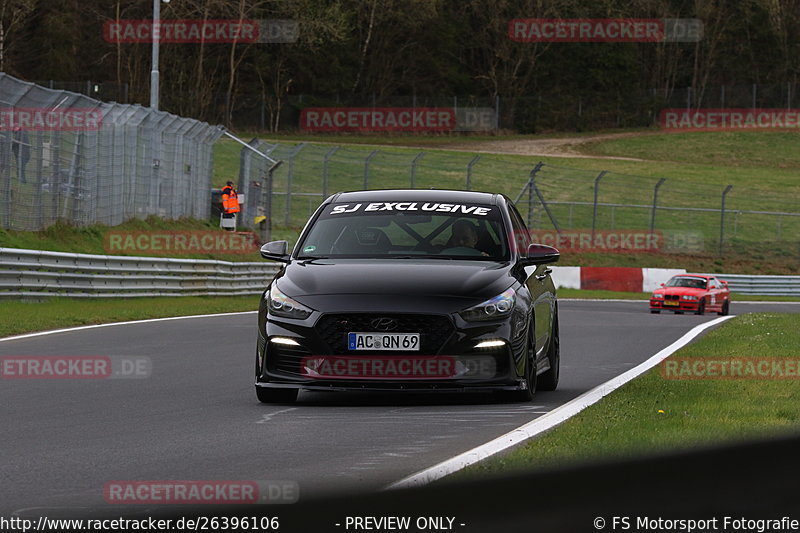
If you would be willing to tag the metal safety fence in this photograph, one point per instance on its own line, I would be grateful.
(565, 203)
(67, 157)
(37, 274)
(40, 274)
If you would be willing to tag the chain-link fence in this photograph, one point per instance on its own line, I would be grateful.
(588, 210)
(67, 157)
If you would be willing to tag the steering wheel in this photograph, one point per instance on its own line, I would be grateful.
(460, 250)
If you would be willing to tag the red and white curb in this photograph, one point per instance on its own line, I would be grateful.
(625, 279)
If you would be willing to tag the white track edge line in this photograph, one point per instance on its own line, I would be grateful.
(109, 324)
(551, 419)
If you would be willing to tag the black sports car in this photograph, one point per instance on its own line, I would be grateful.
(423, 290)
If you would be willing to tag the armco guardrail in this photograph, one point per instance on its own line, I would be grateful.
(35, 273)
(765, 285)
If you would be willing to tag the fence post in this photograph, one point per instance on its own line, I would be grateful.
(546, 207)
(268, 203)
(655, 203)
(469, 171)
(325, 161)
(243, 183)
(722, 218)
(529, 186)
(289, 176)
(366, 168)
(414, 168)
(594, 209)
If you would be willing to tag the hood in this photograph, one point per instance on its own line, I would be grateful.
(680, 291)
(406, 278)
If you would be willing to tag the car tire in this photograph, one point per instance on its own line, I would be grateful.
(549, 379)
(701, 308)
(725, 308)
(266, 395)
(655, 311)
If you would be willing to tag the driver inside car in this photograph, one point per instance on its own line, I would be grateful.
(464, 234)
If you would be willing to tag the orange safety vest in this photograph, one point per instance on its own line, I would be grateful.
(230, 200)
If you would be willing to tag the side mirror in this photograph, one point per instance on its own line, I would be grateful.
(276, 251)
(539, 254)
(662, 284)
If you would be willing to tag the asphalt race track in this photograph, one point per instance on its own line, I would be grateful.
(196, 417)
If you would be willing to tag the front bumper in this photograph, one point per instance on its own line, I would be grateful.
(682, 305)
(321, 360)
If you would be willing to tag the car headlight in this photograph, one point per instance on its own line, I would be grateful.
(498, 307)
(281, 305)
(686, 297)
(657, 296)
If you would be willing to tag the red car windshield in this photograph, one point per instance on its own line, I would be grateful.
(692, 283)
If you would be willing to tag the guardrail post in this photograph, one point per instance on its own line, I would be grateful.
(469, 171)
(722, 218)
(655, 204)
(414, 168)
(366, 168)
(289, 176)
(594, 208)
(325, 162)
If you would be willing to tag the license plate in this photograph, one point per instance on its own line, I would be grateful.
(671, 302)
(407, 342)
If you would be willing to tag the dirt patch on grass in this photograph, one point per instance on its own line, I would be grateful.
(551, 147)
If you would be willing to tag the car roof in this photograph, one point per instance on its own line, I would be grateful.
(704, 276)
(421, 195)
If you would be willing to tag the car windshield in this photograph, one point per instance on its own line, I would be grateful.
(693, 283)
(407, 230)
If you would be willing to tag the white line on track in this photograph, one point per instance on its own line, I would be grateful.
(79, 328)
(551, 419)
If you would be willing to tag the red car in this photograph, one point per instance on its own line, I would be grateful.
(695, 293)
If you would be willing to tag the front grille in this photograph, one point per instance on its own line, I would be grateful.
(434, 330)
(671, 297)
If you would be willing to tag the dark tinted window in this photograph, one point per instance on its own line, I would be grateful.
(383, 229)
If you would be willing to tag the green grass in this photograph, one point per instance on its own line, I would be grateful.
(90, 239)
(652, 414)
(697, 166)
(755, 243)
(55, 313)
(732, 149)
